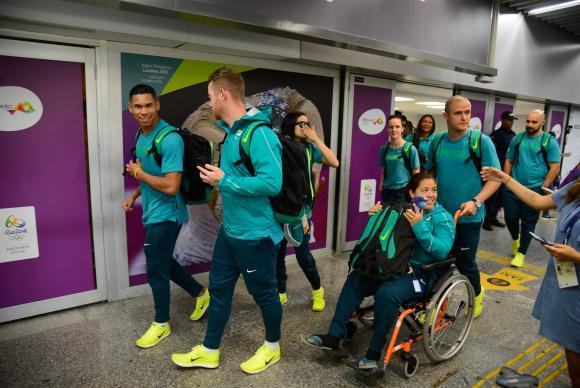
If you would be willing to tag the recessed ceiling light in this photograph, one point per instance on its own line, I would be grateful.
(431, 103)
(555, 7)
(435, 106)
(404, 99)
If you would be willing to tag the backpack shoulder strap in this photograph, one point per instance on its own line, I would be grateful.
(475, 152)
(434, 146)
(406, 154)
(244, 147)
(517, 142)
(166, 130)
(546, 137)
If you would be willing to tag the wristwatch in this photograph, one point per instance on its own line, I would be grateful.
(477, 202)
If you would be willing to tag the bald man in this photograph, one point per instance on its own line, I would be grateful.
(533, 159)
(459, 184)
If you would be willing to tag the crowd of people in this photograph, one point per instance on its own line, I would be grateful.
(458, 169)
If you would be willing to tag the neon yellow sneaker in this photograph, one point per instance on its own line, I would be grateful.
(283, 298)
(318, 302)
(201, 305)
(479, 303)
(518, 260)
(153, 335)
(515, 246)
(198, 357)
(262, 359)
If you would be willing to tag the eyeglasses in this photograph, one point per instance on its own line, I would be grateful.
(303, 124)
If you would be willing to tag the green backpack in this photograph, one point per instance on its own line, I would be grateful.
(475, 151)
(385, 246)
(545, 143)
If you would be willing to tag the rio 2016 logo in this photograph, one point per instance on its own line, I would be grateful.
(13, 221)
(15, 228)
(20, 108)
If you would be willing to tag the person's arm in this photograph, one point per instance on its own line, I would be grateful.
(437, 243)
(507, 166)
(489, 158)
(167, 184)
(552, 174)
(266, 156)
(563, 252)
(415, 162)
(328, 157)
(130, 201)
(553, 156)
(529, 197)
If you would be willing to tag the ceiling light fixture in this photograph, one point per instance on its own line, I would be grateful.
(431, 103)
(435, 106)
(404, 99)
(555, 7)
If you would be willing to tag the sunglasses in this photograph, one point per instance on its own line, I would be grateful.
(303, 124)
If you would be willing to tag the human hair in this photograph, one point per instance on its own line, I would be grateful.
(540, 113)
(289, 123)
(229, 80)
(142, 89)
(421, 120)
(395, 116)
(417, 179)
(453, 99)
(574, 192)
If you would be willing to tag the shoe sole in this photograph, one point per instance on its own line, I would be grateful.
(262, 369)
(318, 310)
(155, 343)
(303, 338)
(206, 366)
(191, 318)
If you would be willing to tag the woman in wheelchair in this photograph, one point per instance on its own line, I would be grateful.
(434, 230)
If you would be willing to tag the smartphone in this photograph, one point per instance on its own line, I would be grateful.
(541, 239)
(417, 201)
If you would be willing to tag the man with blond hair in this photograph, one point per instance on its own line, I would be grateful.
(533, 159)
(247, 241)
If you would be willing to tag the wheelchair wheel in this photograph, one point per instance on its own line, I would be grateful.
(409, 367)
(448, 318)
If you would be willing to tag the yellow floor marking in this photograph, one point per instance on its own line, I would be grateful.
(494, 373)
(547, 364)
(506, 279)
(539, 356)
(490, 256)
(554, 374)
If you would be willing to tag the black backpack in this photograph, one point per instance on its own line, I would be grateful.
(422, 156)
(296, 195)
(385, 246)
(197, 151)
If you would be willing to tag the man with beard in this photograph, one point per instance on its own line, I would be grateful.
(501, 139)
(533, 159)
(248, 240)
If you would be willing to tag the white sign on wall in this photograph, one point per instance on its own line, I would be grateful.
(368, 188)
(18, 237)
(373, 121)
(20, 108)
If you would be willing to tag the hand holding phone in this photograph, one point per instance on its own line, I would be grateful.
(417, 201)
(540, 239)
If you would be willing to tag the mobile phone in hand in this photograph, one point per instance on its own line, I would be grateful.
(417, 201)
(541, 239)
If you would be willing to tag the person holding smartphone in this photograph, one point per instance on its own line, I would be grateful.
(558, 303)
(434, 229)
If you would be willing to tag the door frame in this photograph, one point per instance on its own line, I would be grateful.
(86, 56)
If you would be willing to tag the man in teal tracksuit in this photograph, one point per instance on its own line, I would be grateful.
(248, 239)
(163, 210)
(460, 186)
(533, 159)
